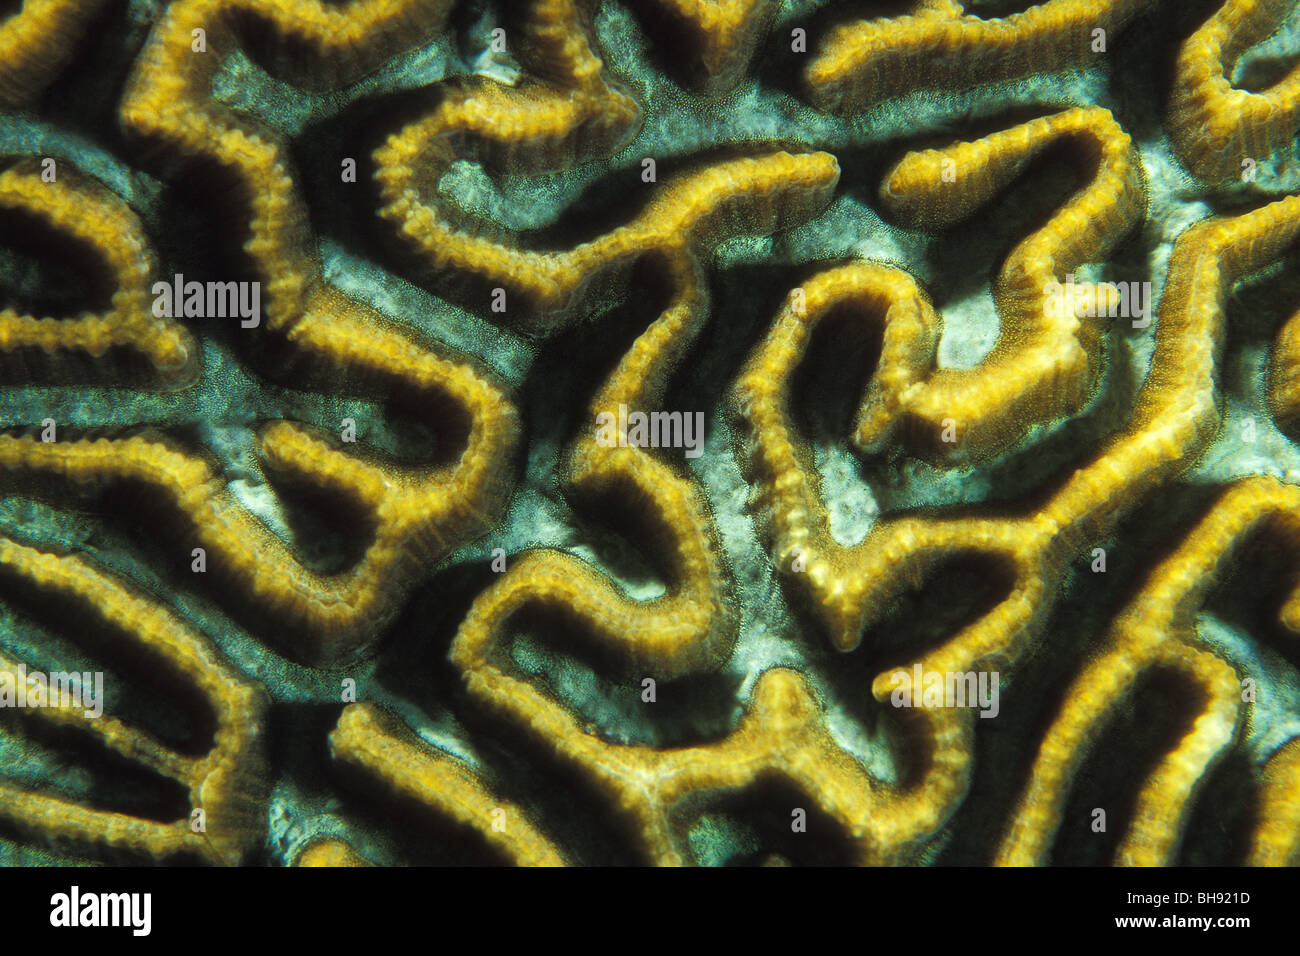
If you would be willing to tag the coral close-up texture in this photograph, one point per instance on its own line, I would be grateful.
(649, 432)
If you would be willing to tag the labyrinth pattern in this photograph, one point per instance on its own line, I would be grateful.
(649, 432)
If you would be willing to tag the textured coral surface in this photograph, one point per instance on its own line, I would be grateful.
(970, 331)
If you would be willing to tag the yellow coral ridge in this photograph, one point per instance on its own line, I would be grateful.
(37, 42)
(227, 782)
(1158, 631)
(330, 853)
(695, 209)
(1215, 128)
(782, 736)
(687, 630)
(1046, 359)
(877, 293)
(689, 627)
(168, 101)
(938, 45)
(1175, 416)
(1284, 376)
(412, 515)
(725, 31)
(81, 211)
(577, 116)
(1276, 840)
(375, 742)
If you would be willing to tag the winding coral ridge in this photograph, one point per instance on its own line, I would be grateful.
(1044, 365)
(226, 781)
(782, 736)
(410, 515)
(330, 853)
(1157, 631)
(938, 45)
(1283, 395)
(686, 631)
(1276, 840)
(36, 43)
(1175, 416)
(1215, 127)
(577, 115)
(87, 218)
(553, 621)
(724, 32)
(413, 516)
(377, 744)
(168, 106)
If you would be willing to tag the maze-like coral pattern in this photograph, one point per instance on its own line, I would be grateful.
(227, 782)
(1043, 366)
(1157, 632)
(1217, 128)
(939, 44)
(81, 213)
(489, 631)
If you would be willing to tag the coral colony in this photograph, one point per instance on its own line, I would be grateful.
(572, 432)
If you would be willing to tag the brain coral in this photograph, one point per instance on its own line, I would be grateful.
(568, 432)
